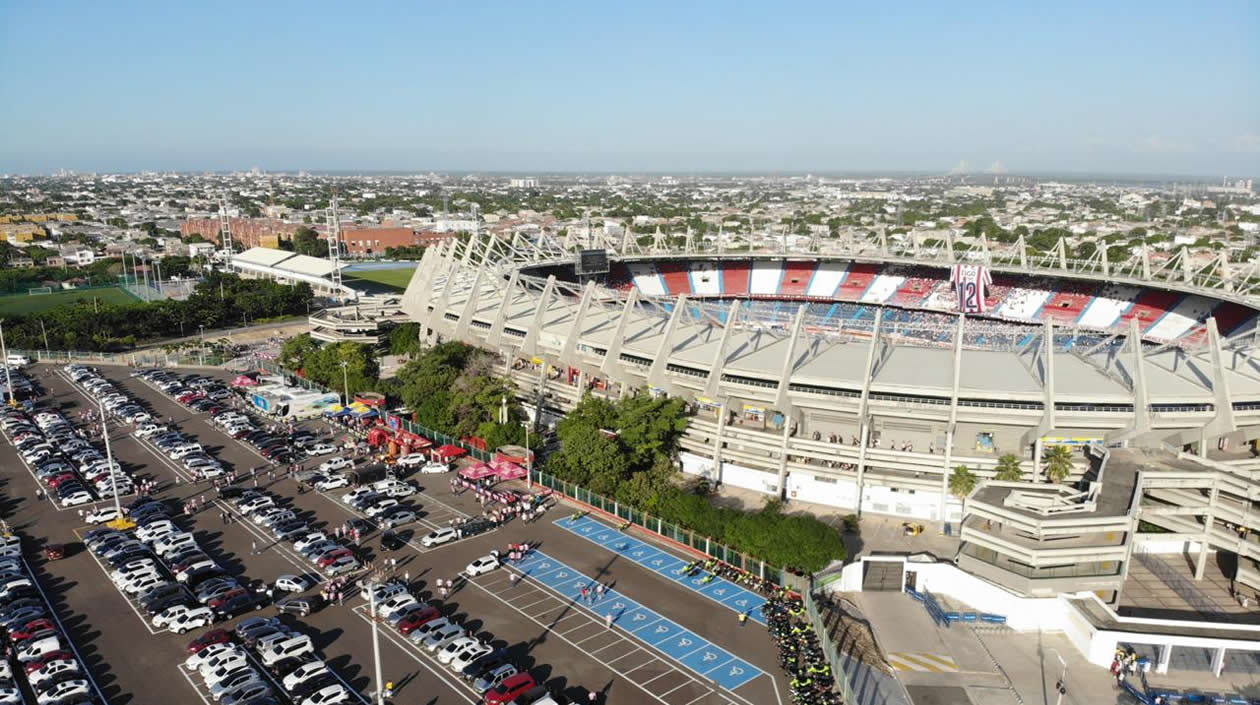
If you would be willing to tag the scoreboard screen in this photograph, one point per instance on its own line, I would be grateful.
(592, 262)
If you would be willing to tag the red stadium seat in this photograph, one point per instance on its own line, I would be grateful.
(677, 276)
(735, 276)
(861, 274)
(796, 278)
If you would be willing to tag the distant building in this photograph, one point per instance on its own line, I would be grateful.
(455, 224)
(201, 248)
(251, 232)
(363, 242)
(78, 256)
(523, 183)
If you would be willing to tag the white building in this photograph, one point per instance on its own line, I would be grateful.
(530, 182)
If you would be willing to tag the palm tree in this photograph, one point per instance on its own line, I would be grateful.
(1008, 469)
(961, 482)
(1058, 463)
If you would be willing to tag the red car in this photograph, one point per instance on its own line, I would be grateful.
(190, 397)
(333, 556)
(417, 619)
(214, 636)
(54, 656)
(218, 601)
(507, 691)
(30, 628)
(61, 479)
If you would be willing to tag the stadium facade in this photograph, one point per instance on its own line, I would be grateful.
(848, 378)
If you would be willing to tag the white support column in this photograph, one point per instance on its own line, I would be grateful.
(1038, 447)
(717, 440)
(1218, 662)
(470, 308)
(438, 319)
(569, 353)
(656, 373)
(714, 379)
(495, 336)
(1165, 657)
(789, 360)
(1200, 563)
(612, 358)
(530, 346)
(863, 403)
(953, 418)
(783, 454)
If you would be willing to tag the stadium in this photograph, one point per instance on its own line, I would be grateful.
(851, 378)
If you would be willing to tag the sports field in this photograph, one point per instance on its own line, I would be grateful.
(395, 278)
(25, 304)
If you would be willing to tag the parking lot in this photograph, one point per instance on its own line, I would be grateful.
(705, 655)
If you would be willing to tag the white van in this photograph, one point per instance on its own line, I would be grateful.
(16, 360)
(36, 649)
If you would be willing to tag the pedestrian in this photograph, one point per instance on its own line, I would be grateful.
(407, 577)
(592, 697)
(254, 547)
(389, 689)
(608, 618)
(584, 594)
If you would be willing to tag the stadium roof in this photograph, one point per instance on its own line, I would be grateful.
(264, 256)
(304, 264)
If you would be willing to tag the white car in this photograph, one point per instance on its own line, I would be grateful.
(439, 537)
(398, 603)
(292, 583)
(333, 482)
(434, 468)
(142, 584)
(309, 540)
(290, 648)
(320, 449)
(482, 565)
(74, 499)
(413, 459)
(10, 696)
(449, 651)
(381, 507)
(63, 691)
(101, 515)
(156, 530)
(194, 618)
(148, 429)
(338, 463)
(353, 495)
(469, 654)
(335, 694)
(195, 661)
(303, 673)
(165, 618)
(53, 668)
(226, 661)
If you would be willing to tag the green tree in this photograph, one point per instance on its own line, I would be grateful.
(1008, 469)
(1058, 461)
(306, 242)
(296, 350)
(961, 483)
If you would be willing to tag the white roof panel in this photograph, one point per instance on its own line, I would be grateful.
(264, 256)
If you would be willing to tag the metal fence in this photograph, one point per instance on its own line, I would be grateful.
(140, 358)
(819, 623)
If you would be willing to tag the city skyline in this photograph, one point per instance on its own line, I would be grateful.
(1129, 89)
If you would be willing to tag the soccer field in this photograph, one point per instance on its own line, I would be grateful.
(20, 305)
(395, 278)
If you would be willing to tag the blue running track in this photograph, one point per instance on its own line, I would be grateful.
(726, 593)
(666, 636)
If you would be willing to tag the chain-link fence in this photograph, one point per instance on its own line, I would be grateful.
(819, 622)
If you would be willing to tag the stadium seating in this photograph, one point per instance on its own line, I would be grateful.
(852, 291)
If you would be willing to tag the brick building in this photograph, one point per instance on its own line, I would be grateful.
(252, 232)
(362, 242)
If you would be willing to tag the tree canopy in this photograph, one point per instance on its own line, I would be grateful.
(453, 388)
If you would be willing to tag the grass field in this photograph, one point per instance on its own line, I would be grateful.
(395, 279)
(20, 305)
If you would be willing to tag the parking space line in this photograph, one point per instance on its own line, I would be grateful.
(62, 628)
(193, 684)
(126, 598)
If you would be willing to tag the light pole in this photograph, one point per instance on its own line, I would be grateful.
(376, 641)
(345, 381)
(109, 459)
(44, 331)
(1061, 686)
(4, 353)
(529, 460)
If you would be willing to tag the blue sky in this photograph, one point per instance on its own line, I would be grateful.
(1110, 87)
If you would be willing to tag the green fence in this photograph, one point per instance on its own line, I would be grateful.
(662, 528)
(833, 654)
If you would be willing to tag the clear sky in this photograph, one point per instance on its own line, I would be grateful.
(1147, 87)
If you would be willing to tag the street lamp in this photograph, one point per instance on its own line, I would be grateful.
(529, 460)
(376, 640)
(345, 380)
(109, 460)
(4, 353)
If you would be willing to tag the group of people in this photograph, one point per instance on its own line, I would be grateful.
(800, 652)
